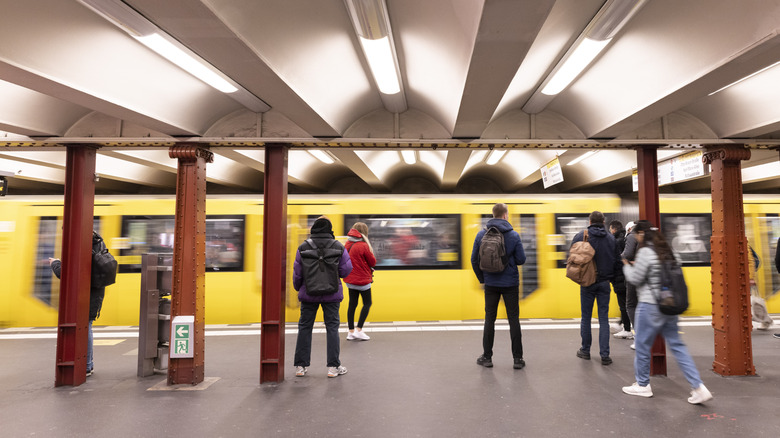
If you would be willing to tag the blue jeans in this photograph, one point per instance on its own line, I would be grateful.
(598, 292)
(649, 323)
(512, 303)
(90, 363)
(330, 312)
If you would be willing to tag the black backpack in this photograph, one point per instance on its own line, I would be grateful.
(103, 264)
(321, 267)
(673, 296)
(492, 251)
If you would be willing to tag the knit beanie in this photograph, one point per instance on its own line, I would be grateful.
(322, 225)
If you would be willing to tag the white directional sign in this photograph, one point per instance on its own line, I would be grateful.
(551, 173)
(182, 337)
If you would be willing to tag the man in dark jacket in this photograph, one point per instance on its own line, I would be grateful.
(607, 263)
(501, 284)
(96, 295)
(322, 236)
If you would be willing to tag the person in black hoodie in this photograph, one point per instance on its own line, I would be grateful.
(619, 283)
(96, 295)
(607, 263)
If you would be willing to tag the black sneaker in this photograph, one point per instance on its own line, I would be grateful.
(485, 361)
(777, 335)
(606, 360)
(519, 363)
(89, 372)
(582, 354)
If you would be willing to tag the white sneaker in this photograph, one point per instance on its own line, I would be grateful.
(632, 346)
(642, 391)
(336, 371)
(301, 371)
(700, 395)
(623, 335)
(351, 336)
(615, 327)
(361, 335)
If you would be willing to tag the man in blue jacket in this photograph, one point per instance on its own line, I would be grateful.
(607, 262)
(501, 284)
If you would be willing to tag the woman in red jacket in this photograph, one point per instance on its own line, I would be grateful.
(359, 280)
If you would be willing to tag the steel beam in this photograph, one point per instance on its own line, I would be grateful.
(189, 257)
(650, 209)
(73, 323)
(274, 264)
(731, 314)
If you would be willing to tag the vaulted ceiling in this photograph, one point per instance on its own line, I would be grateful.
(469, 70)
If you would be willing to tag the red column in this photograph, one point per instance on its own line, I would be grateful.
(731, 314)
(649, 209)
(71, 365)
(189, 257)
(274, 264)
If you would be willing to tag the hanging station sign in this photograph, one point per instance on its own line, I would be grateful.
(551, 173)
(680, 168)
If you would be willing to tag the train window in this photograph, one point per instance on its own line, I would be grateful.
(689, 236)
(154, 234)
(44, 289)
(769, 231)
(525, 225)
(566, 227)
(412, 241)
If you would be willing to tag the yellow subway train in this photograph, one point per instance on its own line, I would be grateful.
(422, 242)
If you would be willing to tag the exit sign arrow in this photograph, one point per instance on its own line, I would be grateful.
(182, 331)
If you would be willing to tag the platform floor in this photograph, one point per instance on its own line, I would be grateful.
(409, 380)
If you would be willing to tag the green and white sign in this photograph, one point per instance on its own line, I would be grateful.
(182, 337)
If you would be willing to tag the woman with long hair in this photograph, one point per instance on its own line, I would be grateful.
(645, 274)
(360, 279)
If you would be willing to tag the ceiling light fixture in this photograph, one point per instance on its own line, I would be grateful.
(495, 156)
(322, 156)
(372, 25)
(148, 34)
(409, 156)
(745, 78)
(592, 41)
(584, 156)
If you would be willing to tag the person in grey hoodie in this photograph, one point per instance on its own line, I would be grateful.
(607, 263)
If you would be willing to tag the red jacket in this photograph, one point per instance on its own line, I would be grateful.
(362, 260)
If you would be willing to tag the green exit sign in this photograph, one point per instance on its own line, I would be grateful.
(182, 337)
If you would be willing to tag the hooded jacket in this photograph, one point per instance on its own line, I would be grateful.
(607, 260)
(510, 276)
(321, 234)
(96, 294)
(362, 259)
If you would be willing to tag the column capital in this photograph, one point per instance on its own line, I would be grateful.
(729, 153)
(190, 152)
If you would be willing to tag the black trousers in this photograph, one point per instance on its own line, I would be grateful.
(619, 286)
(511, 297)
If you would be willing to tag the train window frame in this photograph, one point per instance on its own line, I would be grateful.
(125, 268)
(565, 246)
(665, 225)
(350, 219)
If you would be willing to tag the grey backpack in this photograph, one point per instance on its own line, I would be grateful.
(492, 252)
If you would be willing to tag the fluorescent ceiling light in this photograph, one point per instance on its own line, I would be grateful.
(322, 156)
(582, 56)
(582, 157)
(186, 62)
(745, 78)
(495, 156)
(409, 157)
(382, 63)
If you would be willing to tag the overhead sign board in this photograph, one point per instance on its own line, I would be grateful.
(677, 169)
(182, 337)
(680, 168)
(551, 173)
